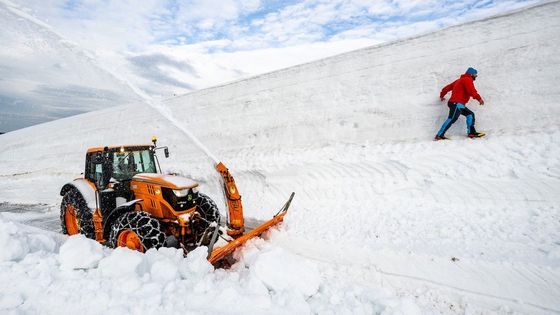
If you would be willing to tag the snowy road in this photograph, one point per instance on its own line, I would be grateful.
(440, 282)
(40, 216)
(479, 229)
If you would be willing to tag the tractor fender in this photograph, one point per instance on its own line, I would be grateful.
(86, 190)
(115, 214)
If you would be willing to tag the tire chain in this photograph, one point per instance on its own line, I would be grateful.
(147, 228)
(207, 208)
(209, 213)
(83, 213)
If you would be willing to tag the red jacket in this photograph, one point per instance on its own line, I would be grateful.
(462, 90)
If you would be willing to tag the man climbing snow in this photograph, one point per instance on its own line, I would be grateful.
(462, 90)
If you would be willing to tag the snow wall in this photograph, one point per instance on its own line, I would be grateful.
(386, 93)
(391, 92)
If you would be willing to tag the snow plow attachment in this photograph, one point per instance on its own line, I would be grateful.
(219, 253)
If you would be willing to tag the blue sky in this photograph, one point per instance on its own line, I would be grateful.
(264, 24)
(255, 24)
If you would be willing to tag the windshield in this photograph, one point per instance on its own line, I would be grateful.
(129, 163)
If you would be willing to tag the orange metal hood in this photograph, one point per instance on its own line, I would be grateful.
(166, 180)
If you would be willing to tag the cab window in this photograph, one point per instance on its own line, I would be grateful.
(94, 171)
(129, 163)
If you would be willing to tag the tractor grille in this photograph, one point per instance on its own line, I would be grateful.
(179, 203)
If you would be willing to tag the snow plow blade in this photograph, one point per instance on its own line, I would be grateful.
(217, 254)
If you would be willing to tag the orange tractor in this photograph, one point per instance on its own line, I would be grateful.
(125, 200)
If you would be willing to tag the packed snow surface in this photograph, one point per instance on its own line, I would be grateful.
(384, 221)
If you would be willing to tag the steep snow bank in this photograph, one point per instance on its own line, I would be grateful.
(375, 95)
(390, 92)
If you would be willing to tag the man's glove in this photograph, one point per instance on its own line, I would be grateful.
(442, 99)
(481, 102)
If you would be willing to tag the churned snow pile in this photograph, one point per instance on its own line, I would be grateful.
(384, 220)
(80, 276)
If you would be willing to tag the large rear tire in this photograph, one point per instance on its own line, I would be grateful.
(136, 230)
(75, 216)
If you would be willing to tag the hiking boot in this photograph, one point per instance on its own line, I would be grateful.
(476, 134)
(437, 137)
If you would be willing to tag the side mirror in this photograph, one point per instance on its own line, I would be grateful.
(166, 152)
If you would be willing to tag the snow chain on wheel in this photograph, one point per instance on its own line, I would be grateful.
(75, 216)
(207, 208)
(140, 225)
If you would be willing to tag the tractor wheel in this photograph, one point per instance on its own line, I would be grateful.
(75, 216)
(207, 208)
(136, 230)
(202, 228)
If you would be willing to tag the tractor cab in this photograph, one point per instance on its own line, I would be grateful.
(124, 199)
(120, 163)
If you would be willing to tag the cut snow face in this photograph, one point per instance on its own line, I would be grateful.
(389, 220)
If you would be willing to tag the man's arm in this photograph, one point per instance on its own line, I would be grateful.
(446, 90)
(469, 84)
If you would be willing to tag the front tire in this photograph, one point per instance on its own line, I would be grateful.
(136, 230)
(207, 208)
(203, 227)
(75, 216)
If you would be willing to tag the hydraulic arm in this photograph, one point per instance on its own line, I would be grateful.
(235, 208)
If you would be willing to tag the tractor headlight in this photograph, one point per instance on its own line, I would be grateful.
(181, 192)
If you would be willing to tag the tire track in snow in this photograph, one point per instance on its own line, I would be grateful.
(390, 187)
(433, 271)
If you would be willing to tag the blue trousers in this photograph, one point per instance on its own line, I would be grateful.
(455, 110)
